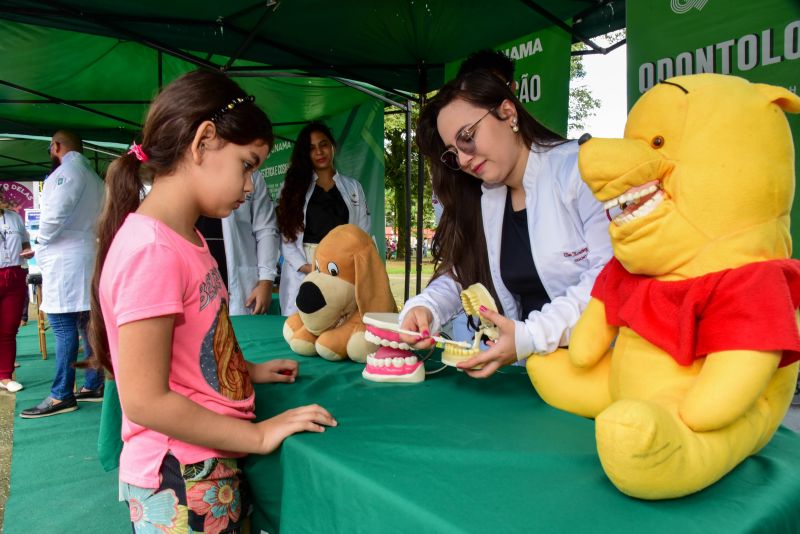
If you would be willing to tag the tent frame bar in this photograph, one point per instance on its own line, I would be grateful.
(24, 161)
(79, 102)
(373, 94)
(120, 30)
(407, 195)
(57, 100)
(603, 51)
(534, 5)
(249, 38)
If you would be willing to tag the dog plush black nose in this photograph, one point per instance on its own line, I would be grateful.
(585, 137)
(310, 298)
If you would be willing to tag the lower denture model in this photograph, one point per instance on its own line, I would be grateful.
(393, 361)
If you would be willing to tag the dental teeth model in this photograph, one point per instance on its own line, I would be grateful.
(393, 361)
(472, 299)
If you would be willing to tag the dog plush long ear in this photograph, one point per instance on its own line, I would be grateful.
(373, 293)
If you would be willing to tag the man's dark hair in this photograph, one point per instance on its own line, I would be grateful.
(494, 61)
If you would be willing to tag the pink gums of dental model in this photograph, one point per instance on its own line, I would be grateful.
(393, 365)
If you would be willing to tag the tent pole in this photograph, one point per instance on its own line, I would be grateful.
(373, 94)
(120, 30)
(12, 158)
(407, 193)
(66, 103)
(249, 38)
(561, 24)
(423, 82)
(160, 70)
(314, 62)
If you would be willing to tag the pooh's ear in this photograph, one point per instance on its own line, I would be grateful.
(780, 96)
(373, 293)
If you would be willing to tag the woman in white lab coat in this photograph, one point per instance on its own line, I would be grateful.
(314, 199)
(517, 218)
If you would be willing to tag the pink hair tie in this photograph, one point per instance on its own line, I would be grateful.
(137, 151)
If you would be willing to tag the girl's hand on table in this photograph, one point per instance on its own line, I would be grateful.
(418, 319)
(311, 418)
(502, 351)
(281, 370)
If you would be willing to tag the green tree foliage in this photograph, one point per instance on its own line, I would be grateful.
(582, 104)
(395, 161)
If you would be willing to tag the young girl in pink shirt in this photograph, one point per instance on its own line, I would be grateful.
(160, 312)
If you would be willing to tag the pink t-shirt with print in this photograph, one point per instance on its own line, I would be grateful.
(152, 271)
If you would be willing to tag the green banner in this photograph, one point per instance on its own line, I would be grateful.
(359, 153)
(541, 70)
(757, 40)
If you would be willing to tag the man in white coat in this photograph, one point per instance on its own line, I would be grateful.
(65, 250)
(252, 250)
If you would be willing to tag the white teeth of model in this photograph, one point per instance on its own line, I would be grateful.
(398, 362)
(611, 203)
(411, 360)
(370, 360)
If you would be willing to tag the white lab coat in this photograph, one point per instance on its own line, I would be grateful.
(252, 245)
(12, 235)
(71, 201)
(570, 245)
(294, 256)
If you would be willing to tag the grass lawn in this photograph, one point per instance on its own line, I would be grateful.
(399, 266)
(396, 270)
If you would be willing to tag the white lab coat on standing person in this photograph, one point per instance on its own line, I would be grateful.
(252, 245)
(294, 257)
(570, 244)
(72, 198)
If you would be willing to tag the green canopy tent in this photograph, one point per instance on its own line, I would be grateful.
(395, 44)
(92, 66)
(24, 157)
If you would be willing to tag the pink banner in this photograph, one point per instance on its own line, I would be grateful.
(16, 196)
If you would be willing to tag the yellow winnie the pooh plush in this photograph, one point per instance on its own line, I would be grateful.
(700, 302)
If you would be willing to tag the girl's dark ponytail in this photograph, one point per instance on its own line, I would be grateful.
(124, 191)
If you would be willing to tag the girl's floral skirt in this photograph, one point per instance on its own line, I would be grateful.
(206, 497)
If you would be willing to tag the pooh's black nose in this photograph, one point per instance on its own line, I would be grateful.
(310, 298)
(585, 137)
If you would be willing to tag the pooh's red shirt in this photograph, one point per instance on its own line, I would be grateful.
(749, 308)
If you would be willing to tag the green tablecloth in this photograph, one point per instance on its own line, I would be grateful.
(455, 454)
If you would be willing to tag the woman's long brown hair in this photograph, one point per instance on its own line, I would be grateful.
(289, 212)
(459, 246)
(171, 123)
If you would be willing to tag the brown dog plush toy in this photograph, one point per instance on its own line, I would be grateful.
(348, 280)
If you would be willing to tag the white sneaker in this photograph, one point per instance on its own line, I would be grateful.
(12, 385)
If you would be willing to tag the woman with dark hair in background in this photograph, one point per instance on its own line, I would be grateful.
(517, 218)
(314, 200)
